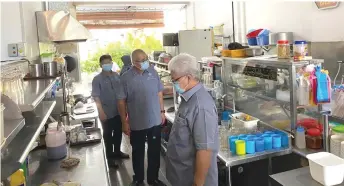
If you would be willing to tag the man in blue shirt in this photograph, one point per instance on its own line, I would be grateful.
(105, 88)
(191, 157)
(141, 98)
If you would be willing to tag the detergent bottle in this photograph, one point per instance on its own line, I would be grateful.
(17, 178)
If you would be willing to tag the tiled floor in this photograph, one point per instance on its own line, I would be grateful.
(123, 175)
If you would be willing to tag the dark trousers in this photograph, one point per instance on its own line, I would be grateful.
(137, 141)
(112, 134)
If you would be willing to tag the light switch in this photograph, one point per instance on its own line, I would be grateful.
(22, 49)
(12, 50)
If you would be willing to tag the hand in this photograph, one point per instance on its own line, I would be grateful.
(126, 128)
(102, 116)
(163, 118)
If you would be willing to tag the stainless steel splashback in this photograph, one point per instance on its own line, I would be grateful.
(60, 26)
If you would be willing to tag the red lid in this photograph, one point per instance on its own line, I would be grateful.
(314, 132)
(282, 42)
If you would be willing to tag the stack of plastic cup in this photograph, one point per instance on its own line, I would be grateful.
(250, 145)
(240, 147)
(267, 141)
(242, 136)
(276, 141)
(232, 145)
(259, 142)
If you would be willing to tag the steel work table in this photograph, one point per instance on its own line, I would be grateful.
(297, 177)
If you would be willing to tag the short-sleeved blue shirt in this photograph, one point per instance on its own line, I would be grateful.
(195, 127)
(107, 88)
(141, 92)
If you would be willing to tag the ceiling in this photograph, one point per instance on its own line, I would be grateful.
(130, 14)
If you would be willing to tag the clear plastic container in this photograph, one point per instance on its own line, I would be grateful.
(283, 49)
(300, 138)
(300, 50)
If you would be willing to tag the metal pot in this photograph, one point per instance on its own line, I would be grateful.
(275, 37)
(251, 52)
(36, 70)
(50, 68)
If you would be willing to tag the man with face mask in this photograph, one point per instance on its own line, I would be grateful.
(142, 100)
(126, 64)
(105, 88)
(191, 157)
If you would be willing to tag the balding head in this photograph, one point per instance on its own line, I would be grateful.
(138, 55)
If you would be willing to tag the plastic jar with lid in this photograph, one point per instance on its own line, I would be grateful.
(283, 49)
(300, 50)
(338, 130)
(314, 139)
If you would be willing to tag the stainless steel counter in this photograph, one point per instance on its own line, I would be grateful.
(305, 152)
(91, 171)
(227, 157)
(17, 151)
(297, 177)
(34, 92)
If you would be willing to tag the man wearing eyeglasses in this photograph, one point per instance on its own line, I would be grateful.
(142, 100)
(191, 157)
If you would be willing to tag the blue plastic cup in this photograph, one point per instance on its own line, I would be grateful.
(258, 134)
(276, 141)
(259, 142)
(250, 136)
(250, 146)
(285, 140)
(269, 132)
(242, 136)
(267, 141)
(232, 147)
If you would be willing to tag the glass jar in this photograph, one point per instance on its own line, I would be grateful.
(300, 50)
(283, 49)
(314, 139)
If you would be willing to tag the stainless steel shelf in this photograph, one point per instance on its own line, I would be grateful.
(11, 129)
(16, 152)
(34, 92)
(265, 98)
(269, 61)
(156, 62)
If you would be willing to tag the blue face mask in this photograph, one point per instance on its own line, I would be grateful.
(107, 67)
(179, 90)
(144, 65)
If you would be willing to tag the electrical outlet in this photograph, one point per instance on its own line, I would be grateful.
(12, 50)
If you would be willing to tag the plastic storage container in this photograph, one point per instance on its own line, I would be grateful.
(283, 49)
(337, 145)
(300, 138)
(314, 139)
(56, 144)
(238, 123)
(326, 168)
(300, 50)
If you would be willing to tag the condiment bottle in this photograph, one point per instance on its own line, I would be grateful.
(283, 49)
(300, 138)
(314, 139)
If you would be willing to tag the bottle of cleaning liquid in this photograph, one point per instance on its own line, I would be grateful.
(300, 138)
(18, 178)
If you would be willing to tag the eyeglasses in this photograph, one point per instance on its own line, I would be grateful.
(175, 80)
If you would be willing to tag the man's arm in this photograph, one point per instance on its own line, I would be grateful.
(204, 135)
(95, 94)
(122, 106)
(161, 99)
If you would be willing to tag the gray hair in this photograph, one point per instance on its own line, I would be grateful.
(184, 64)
